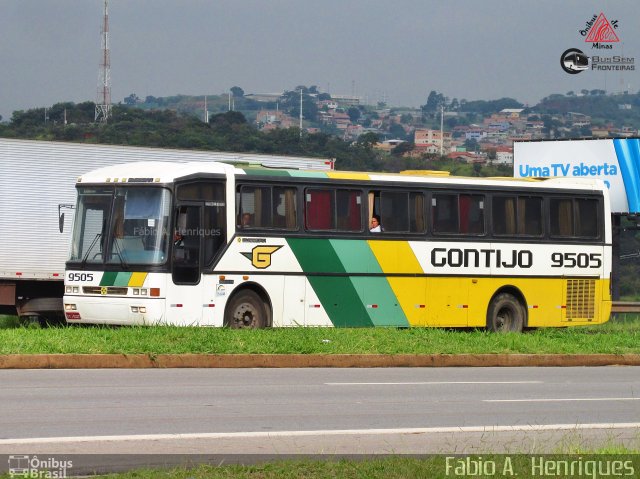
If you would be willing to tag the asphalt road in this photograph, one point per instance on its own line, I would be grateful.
(239, 412)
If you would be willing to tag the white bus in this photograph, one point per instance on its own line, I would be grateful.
(214, 244)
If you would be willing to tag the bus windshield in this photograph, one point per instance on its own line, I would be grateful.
(121, 225)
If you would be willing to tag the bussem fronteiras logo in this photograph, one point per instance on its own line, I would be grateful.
(574, 61)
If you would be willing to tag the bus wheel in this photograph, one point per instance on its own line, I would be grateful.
(246, 310)
(505, 314)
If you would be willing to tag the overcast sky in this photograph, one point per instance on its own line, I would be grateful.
(474, 49)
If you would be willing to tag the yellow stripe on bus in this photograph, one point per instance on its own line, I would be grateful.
(347, 175)
(137, 280)
(411, 292)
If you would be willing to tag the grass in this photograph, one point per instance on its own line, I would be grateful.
(390, 467)
(618, 336)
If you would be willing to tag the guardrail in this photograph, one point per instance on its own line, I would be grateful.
(625, 307)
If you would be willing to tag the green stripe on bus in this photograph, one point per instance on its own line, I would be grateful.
(336, 293)
(308, 174)
(261, 172)
(375, 293)
(108, 278)
(122, 279)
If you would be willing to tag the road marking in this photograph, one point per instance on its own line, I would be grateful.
(560, 399)
(420, 383)
(326, 432)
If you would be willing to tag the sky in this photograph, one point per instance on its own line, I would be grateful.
(397, 51)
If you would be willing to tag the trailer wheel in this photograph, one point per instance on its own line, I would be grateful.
(32, 321)
(505, 314)
(246, 310)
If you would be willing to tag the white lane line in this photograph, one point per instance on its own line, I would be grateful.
(326, 432)
(560, 399)
(420, 383)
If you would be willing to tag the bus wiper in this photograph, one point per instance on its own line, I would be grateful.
(120, 254)
(93, 243)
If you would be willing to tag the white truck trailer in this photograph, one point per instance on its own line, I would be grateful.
(37, 197)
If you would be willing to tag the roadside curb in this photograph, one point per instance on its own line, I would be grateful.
(141, 361)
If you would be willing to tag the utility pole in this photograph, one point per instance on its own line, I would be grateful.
(300, 112)
(441, 129)
(103, 104)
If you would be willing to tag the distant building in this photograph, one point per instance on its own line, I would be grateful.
(424, 136)
(264, 97)
(504, 155)
(511, 112)
(270, 119)
(467, 157)
(388, 145)
(346, 100)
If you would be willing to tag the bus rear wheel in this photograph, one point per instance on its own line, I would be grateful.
(246, 310)
(505, 314)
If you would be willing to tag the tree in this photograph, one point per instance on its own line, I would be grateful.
(237, 92)
(131, 99)
(471, 144)
(354, 114)
(402, 148)
(397, 131)
(228, 118)
(368, 140)
(434, 101)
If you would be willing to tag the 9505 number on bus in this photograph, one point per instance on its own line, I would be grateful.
(576, 260)
(71, 277)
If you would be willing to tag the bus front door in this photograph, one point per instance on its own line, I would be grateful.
(184, 305)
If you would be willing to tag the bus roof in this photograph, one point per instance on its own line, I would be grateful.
(167, 172)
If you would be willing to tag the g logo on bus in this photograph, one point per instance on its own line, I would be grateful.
(104, 290)
(260, 256)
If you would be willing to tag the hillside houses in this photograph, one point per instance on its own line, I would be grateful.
(466, 136)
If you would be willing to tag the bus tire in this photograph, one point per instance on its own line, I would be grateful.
(246, 310)
(505, 314)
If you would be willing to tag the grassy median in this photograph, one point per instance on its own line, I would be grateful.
(618, 336)
(618, 463)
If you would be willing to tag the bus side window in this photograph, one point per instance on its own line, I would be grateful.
(320, 209)
(444, 213)
(349, 210)
(471, 214)
(561, 217)
(587, 218)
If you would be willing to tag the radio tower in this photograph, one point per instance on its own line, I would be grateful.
(103, 104)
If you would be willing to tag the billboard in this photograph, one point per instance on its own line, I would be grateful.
(616, 161)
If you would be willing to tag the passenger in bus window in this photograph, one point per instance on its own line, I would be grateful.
(376, 227)
(246, 220)
(178, 239)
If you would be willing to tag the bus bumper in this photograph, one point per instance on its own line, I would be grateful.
(100, 310)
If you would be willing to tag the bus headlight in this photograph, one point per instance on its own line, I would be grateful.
(70, 307)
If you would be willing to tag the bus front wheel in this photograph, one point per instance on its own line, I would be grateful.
(246, 310)
(505, 314)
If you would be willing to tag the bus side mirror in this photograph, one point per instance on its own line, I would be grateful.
(62, 206)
